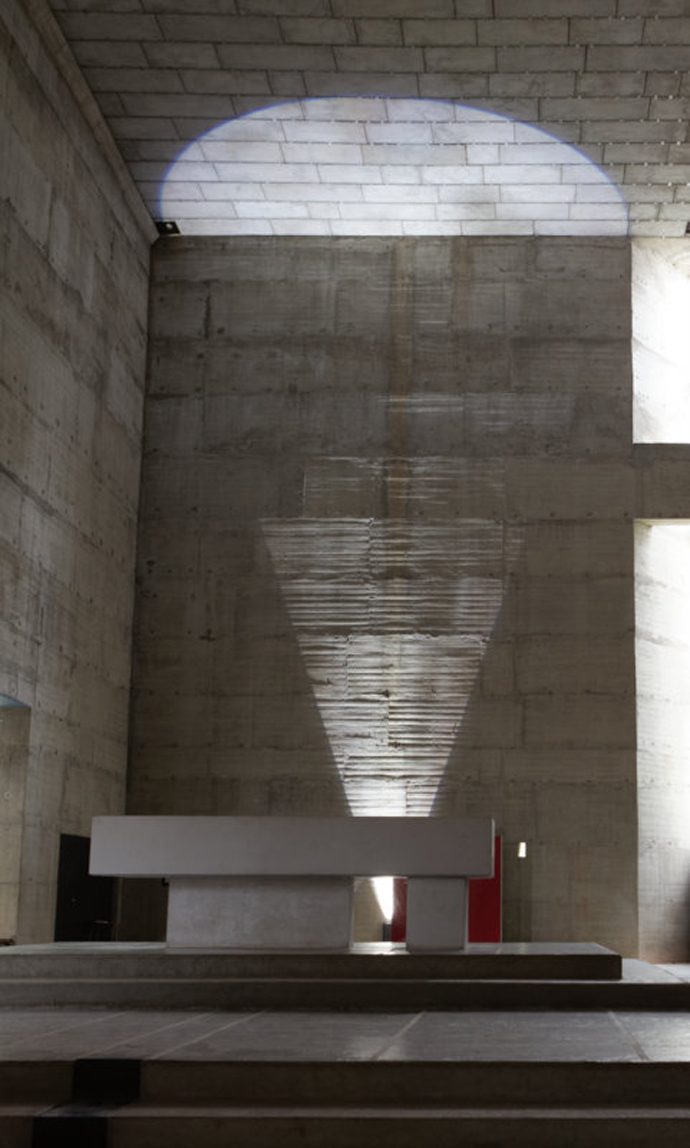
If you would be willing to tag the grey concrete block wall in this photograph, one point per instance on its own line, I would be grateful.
(14, 748)
(608, 76)
(73, 312)
(386, 549)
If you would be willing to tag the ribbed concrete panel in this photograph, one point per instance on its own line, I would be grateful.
(385, 604)
(73, 302)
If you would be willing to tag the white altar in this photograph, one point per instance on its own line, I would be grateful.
(286, 883)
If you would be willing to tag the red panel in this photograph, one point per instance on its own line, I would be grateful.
(399, 922)
(484, 903)
(483, 911)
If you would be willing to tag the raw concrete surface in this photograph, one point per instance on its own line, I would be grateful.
(386, 549)
(73, 299)
(610, 78)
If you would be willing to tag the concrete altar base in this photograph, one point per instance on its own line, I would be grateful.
(436, 914)
(257, 913)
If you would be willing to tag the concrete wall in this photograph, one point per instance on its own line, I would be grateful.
(386, 553)
(662, 554)
(15, 725)
(73, 308)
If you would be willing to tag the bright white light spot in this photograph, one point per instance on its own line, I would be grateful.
(383, 888)
(385, 167)
(661, 341)
(522, 850)
(662, 670)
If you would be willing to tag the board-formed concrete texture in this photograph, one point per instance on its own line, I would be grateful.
(386, 549)
(389, 519)
(608, 76)
(14, 751)
(73, 297)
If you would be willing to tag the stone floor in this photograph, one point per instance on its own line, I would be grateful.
(562, 1035)
(229, 1078)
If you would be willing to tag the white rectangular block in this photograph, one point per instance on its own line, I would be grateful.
(436, 914)
(292, 846)
(241, 913)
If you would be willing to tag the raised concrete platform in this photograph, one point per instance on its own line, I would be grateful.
(372, 978)
(368, 977)
(373, 1076)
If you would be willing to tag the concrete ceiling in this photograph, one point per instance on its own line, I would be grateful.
(336, 83)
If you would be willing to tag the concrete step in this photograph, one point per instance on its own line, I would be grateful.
(357, 994)
(510, 961)
(141, 1127)
(151, 1126)
(35, 1082)
(371, 977)
(100, 1101)
(482, 1083)
(355, 1084)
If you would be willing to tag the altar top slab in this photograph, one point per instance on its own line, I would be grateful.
(293, 846)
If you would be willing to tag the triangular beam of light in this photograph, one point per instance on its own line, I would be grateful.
(393, 619)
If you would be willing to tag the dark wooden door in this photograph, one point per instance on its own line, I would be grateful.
(85, 904)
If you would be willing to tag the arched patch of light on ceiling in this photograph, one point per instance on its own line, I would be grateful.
(374, 166)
